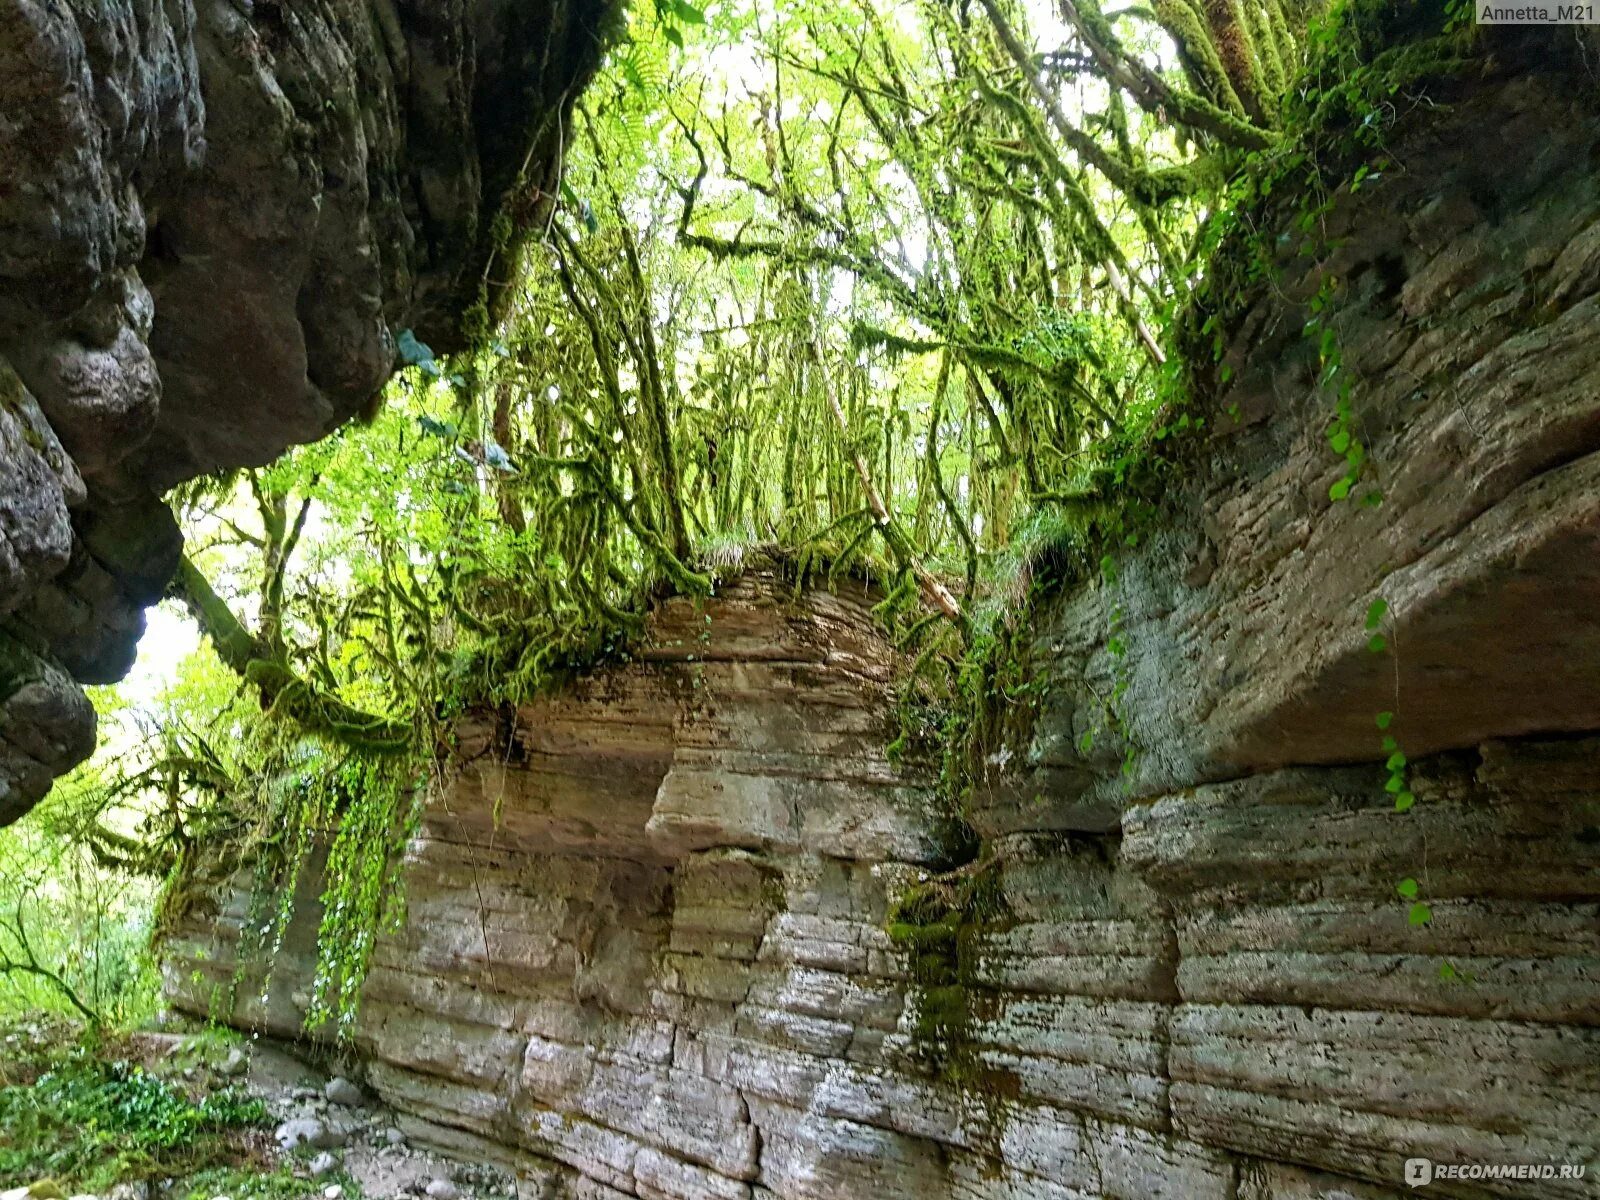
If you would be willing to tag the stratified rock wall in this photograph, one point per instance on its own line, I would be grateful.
(645, 954)
(672, 934)
(214, 217)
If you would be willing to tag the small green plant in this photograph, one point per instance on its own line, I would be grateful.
(88, 1123)
(250, 1182)
(1397, 784)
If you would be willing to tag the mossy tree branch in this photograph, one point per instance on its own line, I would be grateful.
(267, 668)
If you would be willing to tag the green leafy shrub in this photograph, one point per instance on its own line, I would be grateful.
(88, 1123)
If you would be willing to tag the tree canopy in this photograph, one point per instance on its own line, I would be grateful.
(881, 286)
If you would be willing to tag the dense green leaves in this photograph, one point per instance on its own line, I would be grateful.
(88, 1123)
(885, 286)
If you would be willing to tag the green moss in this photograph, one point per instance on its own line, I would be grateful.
(1362, 56)
(940, 926)
(1002, 687)
(11, 395)
(10, 389)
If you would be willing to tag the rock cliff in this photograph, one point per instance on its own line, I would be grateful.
(685, 931)
(215, 216)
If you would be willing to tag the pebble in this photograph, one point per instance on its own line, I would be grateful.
(394, 1137)
(308, 1131)
(236, 1064)
(441, 1189)
(332, 1192)
(322, 1164)
(296, 1132)
(340, 1090)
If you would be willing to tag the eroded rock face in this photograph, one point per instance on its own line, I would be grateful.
(214, 217)
(651, 950)
(1466, 308)
(672, 935)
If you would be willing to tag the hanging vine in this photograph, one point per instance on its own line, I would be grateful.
(920, 294)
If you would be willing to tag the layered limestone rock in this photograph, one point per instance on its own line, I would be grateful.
(657, 944)
(685, 931)
(215, 217)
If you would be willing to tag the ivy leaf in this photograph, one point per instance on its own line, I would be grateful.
(1407, 888)
(1340, 490)
(1396, 762)
(1377, 643)
(688, 13)
(1403, 802)
(1340, 441)
(439, 429)
(412, 352)
(1375, 612)
(1420, 914)
(1384, 719)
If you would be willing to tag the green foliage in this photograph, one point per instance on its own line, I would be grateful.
(901, 291)
(254, 1181)
(88, 1123)
(74, 932)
